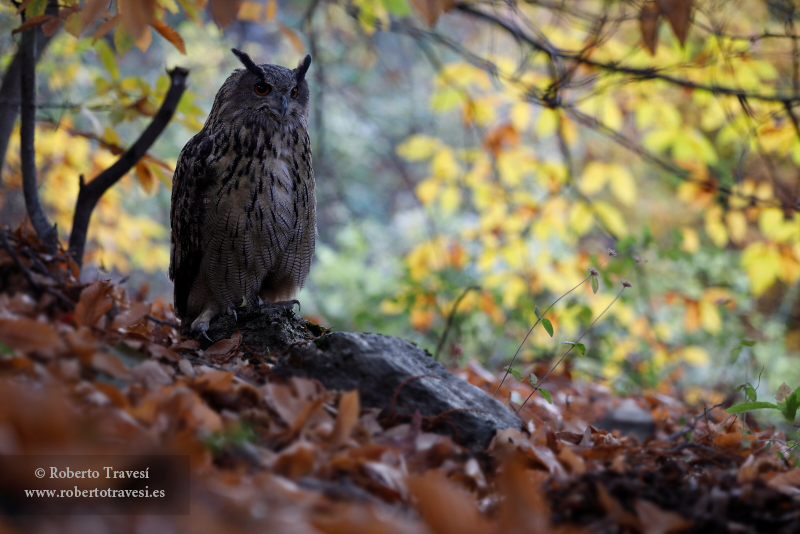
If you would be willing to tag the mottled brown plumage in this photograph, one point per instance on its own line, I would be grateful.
(243, 206)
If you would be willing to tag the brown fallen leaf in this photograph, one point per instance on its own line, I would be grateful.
(787, 483)
(94, 302)
(445, 507)
(346, 419)
(131, 316)
(225, 346)
(28, 335)
(654, 520)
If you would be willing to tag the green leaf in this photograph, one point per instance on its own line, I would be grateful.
(546, 395)
(397, 7)
(106, 56)
(735, 354)
(5, 350)
(751, 393)
(548, 326)
(515, 372)
(582, 348)
(537, 312)
(748, 343)
(747, 406)
(789, 407)
(595, 284)
(533, 380)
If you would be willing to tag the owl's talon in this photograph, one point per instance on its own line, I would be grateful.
(205, 335)
(288, 304)
(232, 311)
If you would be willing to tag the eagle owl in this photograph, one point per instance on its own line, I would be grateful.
(243, 210)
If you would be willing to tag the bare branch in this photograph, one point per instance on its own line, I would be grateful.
(644, 74)
(10, 89)
(46, 232)
(90, 193)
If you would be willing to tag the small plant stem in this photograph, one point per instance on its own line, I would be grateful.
(538, 320)
(537, 386)
(450, 319)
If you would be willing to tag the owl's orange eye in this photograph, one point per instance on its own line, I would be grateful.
(294, 92)
(262, 88)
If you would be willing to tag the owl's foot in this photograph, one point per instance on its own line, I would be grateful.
(200, 325)
(288, 304)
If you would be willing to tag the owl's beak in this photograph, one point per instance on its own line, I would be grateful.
(284, 106)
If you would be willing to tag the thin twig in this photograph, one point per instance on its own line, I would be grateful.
(538, 384)
(450, 318)
(18, 262)
(538, 319)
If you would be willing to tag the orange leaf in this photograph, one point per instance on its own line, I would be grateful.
(679, 15)
(32, 22)
(215, 380)
(145, 177)
(224, 11)
(28, 335)
(106, 27)
(272, 10)
(347, 417)
(137, 15)
(648, 24)
(131, 316)
(431, 9)
(290, 34)
(93, 304)
(114, 395)
(434, 495)
(169, 33)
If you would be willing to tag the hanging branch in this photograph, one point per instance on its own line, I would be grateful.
(46, 232)
(90, 193)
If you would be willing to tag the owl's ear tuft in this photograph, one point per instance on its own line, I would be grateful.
(248, 63)
(302, 68)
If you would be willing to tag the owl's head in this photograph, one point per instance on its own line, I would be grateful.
(275, 91)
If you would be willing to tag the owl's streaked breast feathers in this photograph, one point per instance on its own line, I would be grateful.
(243, 205)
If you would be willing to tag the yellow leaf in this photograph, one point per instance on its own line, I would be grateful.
(547, 123)
(715, 229)
(622, 184)
(694, 355)
(520, 115)
(594, 178)
(427, 190)
(737, 225)
(710, 318)
(762, 261)
(612, 218)
(249, 11)
(444, 164)
(450, 199)
(417, 147)
(580, 218)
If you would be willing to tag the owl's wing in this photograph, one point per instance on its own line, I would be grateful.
(186, 216)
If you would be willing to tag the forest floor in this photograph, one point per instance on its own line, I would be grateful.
(96, 369)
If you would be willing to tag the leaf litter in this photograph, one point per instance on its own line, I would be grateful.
(92, 369)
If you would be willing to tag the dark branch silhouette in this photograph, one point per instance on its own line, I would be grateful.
(90, 193)
(46, 232)
(10, 88)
